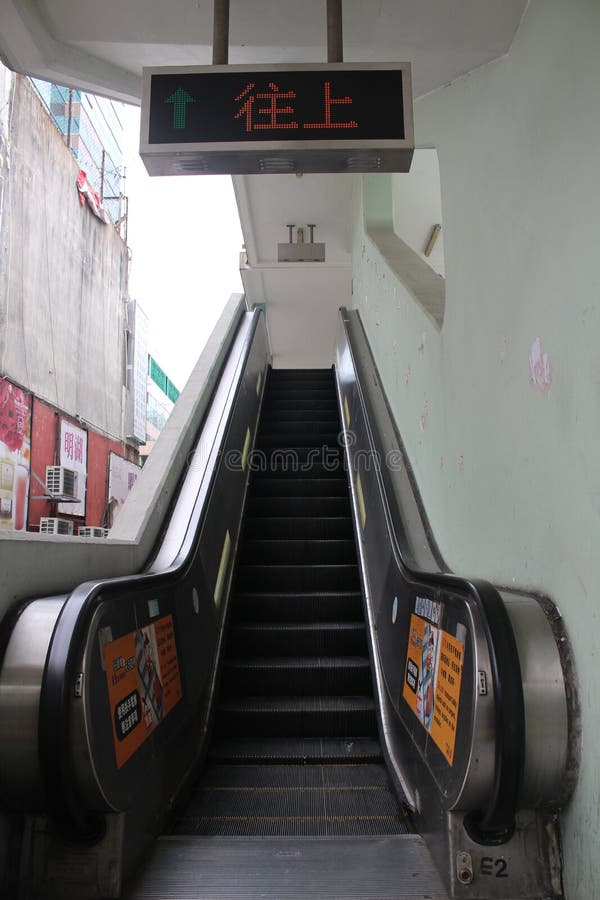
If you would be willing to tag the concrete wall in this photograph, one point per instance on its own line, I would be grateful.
(417, 207)
(499, 406)
(63, 274)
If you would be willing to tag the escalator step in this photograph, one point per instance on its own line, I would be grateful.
(299, 527)
(302, 386)
(287, 676)
(312, 639)
(293, 800)
(317, 606)
(327, 717)
(301, 462)
(293, 458)
(315, 427)
(299, 414)
(308, 825)
(220, 776)
(299, 487)
(321, 469)
(307, 438)
(328, 507)
(300, 398)
(287, 385)
(299, 750)
(290, 552)
(286, 374)
(282, 578)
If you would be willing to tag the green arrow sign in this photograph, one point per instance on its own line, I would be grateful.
(180, 100)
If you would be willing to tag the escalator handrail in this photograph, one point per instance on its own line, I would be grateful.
(63, 799)
(495, 823)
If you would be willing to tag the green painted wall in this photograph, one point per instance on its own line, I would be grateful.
(510, 469)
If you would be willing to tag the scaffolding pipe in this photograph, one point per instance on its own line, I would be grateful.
(335, 40)
(221, 33)
(69, 117)
(102, 174)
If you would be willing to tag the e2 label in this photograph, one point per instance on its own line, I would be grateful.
(497, 868)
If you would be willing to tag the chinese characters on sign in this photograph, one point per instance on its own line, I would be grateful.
(272, 117)
(272, 111)
(432, 681)
(72, 449)
(144, 684)
(73, 455)
(260, 119)
(301, 104)
(329, 103)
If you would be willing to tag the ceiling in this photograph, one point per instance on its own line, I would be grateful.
(103, 46)
(302, 298)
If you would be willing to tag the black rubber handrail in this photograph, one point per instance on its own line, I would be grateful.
(496, 822)
(65, 802)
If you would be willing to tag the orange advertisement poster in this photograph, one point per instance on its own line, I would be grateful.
(432, 681)
(124, 695)
(447, 695)
(168, 662)
(144, 683)
(421, 663)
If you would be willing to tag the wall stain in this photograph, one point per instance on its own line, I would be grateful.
(540, 369)
(424, 420)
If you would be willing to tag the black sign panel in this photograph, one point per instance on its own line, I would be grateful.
(250, 106)
(265, 119)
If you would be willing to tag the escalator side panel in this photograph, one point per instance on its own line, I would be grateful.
(93, 772)
(471, 771)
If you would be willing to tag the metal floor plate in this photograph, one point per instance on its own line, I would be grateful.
(335, 868)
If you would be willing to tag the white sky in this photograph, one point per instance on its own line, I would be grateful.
(185, 239)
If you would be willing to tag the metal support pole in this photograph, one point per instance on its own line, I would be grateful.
(335, 40)
(69, 117)
(221, 33)
(102, 175)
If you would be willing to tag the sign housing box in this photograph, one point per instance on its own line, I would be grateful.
(266, 119)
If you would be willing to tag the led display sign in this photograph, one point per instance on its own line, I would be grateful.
(239, 119)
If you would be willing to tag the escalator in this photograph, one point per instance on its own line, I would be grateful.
(295, 754)
(295, 698)
(295, 748)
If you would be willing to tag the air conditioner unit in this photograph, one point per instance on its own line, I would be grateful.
(55, 526)
(61, 483)
(92, 531)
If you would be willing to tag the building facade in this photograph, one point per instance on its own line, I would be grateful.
(65, 335)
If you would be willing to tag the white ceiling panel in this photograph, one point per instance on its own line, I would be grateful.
(103, 46)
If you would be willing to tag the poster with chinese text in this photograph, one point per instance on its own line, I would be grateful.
(432, 681)
(144, 684)
(73, 455)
